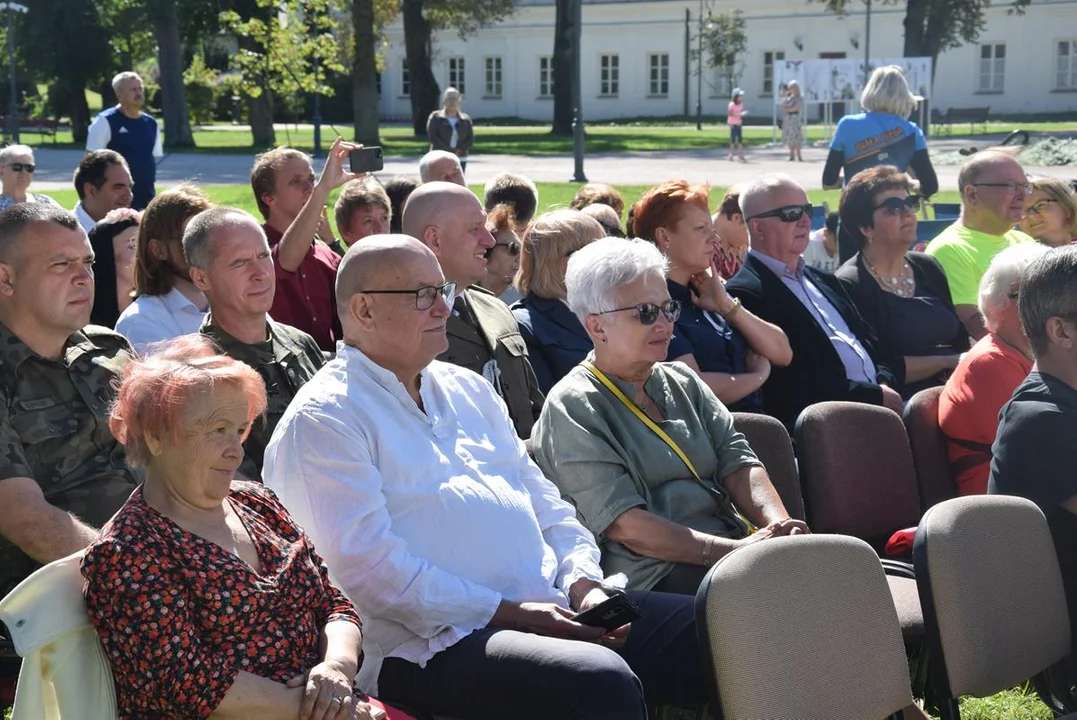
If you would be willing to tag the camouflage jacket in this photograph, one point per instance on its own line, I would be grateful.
(286, 361)
(54, 430)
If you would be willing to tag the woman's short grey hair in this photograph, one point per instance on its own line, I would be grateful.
(1006, 269)
(887, 91)
(118, 81)
(597, 270)
(13, 151)
(199, 245)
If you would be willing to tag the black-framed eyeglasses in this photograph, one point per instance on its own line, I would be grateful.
(1040, 207)
(897, 205)
(1012, 187)
(19, 167)
(512, 246)
(786, 213)
(424, 296)
(647, 313)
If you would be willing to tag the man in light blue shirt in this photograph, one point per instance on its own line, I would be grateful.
(834, 356)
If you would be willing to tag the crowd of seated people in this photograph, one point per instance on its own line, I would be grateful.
(473, 472)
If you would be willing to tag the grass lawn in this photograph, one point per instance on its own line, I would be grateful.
(551, 195)
(526, 140)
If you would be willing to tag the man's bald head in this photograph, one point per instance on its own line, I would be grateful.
(449, 220)
(375, 264)
(982, 164)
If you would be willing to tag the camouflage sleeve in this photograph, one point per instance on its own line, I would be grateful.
(13, 460)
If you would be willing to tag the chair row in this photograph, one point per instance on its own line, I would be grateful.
(801, 627)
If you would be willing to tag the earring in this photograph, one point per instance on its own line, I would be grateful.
(603, 339)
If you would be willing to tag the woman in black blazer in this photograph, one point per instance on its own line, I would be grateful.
(556, 341)
(450, 129)
(902, 295)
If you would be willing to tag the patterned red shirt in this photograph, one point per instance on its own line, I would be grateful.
(179, 617)
(307, 298)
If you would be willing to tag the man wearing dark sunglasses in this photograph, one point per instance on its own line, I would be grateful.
(483, 334)
(993, 188)
(833, 348)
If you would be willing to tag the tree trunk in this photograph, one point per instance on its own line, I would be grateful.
(365, 73)
(418, 39)
(177, 121)
(915, 16)
(563, 68)
(80, 110)
(260, 115)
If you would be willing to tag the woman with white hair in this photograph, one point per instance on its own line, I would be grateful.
(16, 173)
(987, 375)
(792, 105)
(449, 128)
(641, 447)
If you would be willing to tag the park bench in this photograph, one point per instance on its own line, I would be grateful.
(38, 126)
(973, 116)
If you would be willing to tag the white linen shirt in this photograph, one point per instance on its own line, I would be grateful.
(153, 318)
(425, 520)
(85, 220)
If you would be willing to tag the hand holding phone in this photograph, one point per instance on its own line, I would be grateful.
(610, 614)
(366, 159)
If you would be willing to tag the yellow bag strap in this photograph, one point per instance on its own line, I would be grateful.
(643, 417)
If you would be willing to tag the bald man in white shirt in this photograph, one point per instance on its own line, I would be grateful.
(465, 563)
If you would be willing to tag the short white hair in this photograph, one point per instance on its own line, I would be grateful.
(118, 81)
(598, 269)
(754, 195)
(13, 151)
(887, 91)
(1006, 268)
(430, 159)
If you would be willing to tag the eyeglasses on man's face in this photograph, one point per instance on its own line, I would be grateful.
(424, 296)
(647, 313)
(1010, 187)
(786, 213)
(897, 205)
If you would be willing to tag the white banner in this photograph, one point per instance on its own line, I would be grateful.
(842, 80)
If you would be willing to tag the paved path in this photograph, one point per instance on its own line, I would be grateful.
(707, 166)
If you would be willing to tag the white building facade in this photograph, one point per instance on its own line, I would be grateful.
(638, 60)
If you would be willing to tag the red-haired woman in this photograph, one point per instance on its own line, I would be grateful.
(208, 598)
(731, 349)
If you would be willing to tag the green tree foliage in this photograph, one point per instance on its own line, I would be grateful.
(724, 40)
(200, 83)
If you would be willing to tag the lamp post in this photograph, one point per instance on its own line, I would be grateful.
(13, 104)
(577, 93)
(699, 70)
(867, 44)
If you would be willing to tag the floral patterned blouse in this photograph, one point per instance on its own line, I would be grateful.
(179, 617)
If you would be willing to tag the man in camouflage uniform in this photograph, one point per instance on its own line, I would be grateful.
(62, 474)
(231, 263)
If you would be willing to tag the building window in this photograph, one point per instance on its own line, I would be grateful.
(456, 74)
(546, 77)
(769, 58)
(405, 79)
(721, 85)
(609, 76)
(378, 81)
(659, 74)
(1066, 67)
(493, 77)
(992, 67)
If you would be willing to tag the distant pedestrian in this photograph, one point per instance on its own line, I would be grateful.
(792, 106)
(449, 129)
(132, 133)
(16, 173)
(736, 128)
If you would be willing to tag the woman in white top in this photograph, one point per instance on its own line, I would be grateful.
(167, 304)
(16, 173)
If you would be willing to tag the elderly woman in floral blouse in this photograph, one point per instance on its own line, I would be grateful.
(208, 598)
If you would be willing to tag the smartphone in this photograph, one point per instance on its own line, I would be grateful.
(365, 160)
(611, 614)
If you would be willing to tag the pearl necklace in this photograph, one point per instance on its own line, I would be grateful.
(902, 285)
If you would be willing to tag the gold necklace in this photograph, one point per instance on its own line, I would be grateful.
(903, 284)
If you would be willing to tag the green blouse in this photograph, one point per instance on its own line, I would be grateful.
(605, 460)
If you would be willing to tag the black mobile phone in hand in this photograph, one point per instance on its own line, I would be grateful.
(610, 614)
(366, 160)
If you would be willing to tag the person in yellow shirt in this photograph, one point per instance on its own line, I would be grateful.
(993, 188)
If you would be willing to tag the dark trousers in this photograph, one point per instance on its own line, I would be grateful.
(501, 674)
(682, 579)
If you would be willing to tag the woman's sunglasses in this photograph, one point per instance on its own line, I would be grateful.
(19, 167)
(512, 246)
(786, 213)
(647, 313)
(896, 205)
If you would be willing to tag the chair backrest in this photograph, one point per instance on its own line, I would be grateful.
(856, 470)
(803, 627)
(934, 479)
(772, 444)
(991, 591)
(946, 211)
(926, 230)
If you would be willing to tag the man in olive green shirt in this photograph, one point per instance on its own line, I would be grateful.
(231, 263)
(993, 188)
(62, 474)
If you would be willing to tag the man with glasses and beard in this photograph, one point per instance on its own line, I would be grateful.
(993, 188)
(834, 354)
